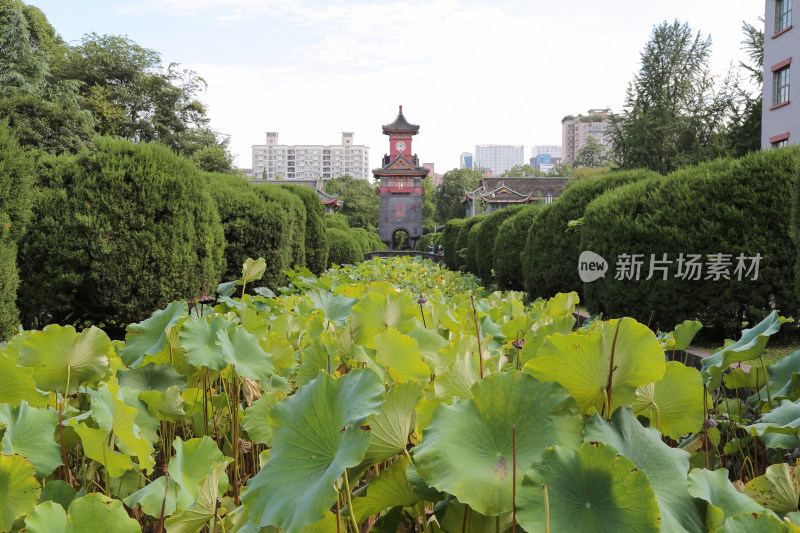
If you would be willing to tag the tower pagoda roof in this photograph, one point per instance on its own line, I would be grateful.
(400, 124)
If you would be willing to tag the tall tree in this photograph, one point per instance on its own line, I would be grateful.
(447, 197)
(745, 132)
(520, 171)
(592, 154)
(675, 111)
(360, 201)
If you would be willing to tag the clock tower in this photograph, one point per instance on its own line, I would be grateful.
(400, 180)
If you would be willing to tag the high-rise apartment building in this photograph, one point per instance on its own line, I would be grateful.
(780, 119)
(310, 161)
(553, 150)
(498, 157)
(575, 131)
(466, 160)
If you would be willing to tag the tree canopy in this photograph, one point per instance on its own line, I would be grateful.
(447, 196)
(361, 203)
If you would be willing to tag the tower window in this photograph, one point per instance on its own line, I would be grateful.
(401, 210)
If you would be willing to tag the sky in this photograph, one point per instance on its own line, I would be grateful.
(468, 72)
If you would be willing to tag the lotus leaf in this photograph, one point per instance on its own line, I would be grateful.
(778, 489)
(666, 467)
(581, 362)
(779, 428)
(375, 313)
(242, 350)
(468, 448)
(335, 307)
(19, 489)
(673, 404)
(723, 498)
(149, 337)
(253, 269)
(29, 432)
(151, 377)
(198, 337)
(17, 384)
(317, 434)
(590, 490)
(400, 358)
(756, 523)
(392, 426)
(63, 360)
(204, 508)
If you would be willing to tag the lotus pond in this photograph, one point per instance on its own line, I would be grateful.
(393, 396)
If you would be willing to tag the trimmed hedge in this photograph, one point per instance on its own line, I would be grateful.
(16, 181)
(315, 244)
(335, 220)
(253, 228)
(551, 252)
(480, 246)
(723, 207)
(463, 240)
(361, 237)
(342, 248)
(448, 240)
(118, 230)
(471, 255)
(280, 198)
(509, 246)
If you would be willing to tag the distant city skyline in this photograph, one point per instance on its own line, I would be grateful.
(466, 71)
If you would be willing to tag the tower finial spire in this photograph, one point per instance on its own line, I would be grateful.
(401, 108)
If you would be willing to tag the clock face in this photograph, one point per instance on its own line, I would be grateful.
(400, 146)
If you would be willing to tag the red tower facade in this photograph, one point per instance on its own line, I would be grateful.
(401, 187)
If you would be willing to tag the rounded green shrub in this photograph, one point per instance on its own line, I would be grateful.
(734, 207)
(449, 238)
(480, 245)
(253, 228)
(509, 246)
(342, 248)
(118, 230)
(315, 244)
(552, 250)
(280, 198)
(361, 237)
(16, 180)
(335, 220)
(463, 239)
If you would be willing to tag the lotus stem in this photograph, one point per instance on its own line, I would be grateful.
(350, 510)
(769, 393)
(338, 514)
(477, 332)
(611, 368)
(546, 509)
(235, 416)
(216, 514)
(464, 523)
(164, 501)
(514, 478)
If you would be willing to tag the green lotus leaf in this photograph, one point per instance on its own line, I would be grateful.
(59, 492)
(151, 377)
(317, 434)
(375, 313)
(335, 307)
(738, 378)
(227, 288)
(204, 507)
(19, 490)
(149, 337)
(778, 489)
(468, 449)
(723, 498)
(792, 518)
(684, 333)
(322, 353)
(428, 340)
(198, 337)
(29, 432)
(749, 346)
(590, 490)
(390, 489)
(253, 269)
(17, 384)
(93, 512)
(166, 406)
(256, 418)
(119, 419)
(581, 362)
(673, 404)
(242, 350)
(543, 328)
(392, 426)
(192, 463)
(665, 467)
(95, 444)
(400, 357)
(562, 304)
(779, 428)
(783, 380)
(63, 360)
(454, 379)
(756, 523)
(47, 517)
(458, 516)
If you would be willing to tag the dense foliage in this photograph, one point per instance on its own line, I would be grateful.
(737, 208)
(461, 242)
(117, 230)
(356, 406)
(343, 248)
(553, 245)
(509, 247)
(316, 247)
(480, 244)
(448, 240)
